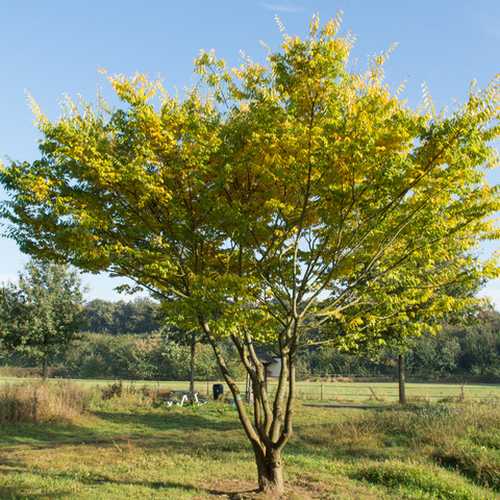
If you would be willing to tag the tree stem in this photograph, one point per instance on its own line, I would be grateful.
(401, 379)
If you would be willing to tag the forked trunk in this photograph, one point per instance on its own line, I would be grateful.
(271, 426)
(270, 472)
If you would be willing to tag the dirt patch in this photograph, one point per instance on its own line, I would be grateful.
(234, 489)
(302, 489)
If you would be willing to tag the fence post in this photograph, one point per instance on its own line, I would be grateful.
(321, 392)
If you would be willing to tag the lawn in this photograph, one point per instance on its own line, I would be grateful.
(125, 448)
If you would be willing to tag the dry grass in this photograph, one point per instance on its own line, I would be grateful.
(39, 402)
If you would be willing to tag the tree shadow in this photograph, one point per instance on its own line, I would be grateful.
(95, 480)
(54, 434)
(19, 491)
(169, 421)
(44, 435)
(177, 432)
(180, 433)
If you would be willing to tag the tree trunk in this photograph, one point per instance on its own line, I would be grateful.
(45, 369)
(401, 379)
(272, 417)
(192, 362)
(270, 472)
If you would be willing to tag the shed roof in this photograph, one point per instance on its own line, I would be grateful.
(265, 355)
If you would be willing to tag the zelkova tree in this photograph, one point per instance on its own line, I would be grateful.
(41, 314)
(274, 197)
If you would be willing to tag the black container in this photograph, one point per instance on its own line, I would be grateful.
(218, 390)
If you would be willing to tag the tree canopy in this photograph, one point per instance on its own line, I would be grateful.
(271, 198)
(141, 315)
(41, 314)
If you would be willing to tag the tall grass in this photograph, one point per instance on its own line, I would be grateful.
(39, 402)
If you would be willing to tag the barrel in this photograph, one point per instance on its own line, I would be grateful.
(218, 391)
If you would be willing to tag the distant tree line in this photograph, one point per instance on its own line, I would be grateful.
(43, 322)
(129, 357)
(459, 352)
(467, 350)
(138, 316)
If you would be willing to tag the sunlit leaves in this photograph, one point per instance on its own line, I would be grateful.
(272, 198)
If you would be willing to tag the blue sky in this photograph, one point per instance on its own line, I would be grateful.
(53, 48)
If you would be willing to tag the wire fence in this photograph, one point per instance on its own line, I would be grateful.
(381, 391)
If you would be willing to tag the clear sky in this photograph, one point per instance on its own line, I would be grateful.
(55, 47)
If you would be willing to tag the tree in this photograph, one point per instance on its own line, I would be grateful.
(453, 300)
(272, 206)
(469, 348)
(40, 316)
(428, 294)
(137, 316)
(98, 316)
(192, 338)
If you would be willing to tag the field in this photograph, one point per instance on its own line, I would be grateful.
(329, 391)
(125, 448)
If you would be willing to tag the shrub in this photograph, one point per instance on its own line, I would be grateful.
(143, 395)
(134, 357)
(22, 403)
(114, 390)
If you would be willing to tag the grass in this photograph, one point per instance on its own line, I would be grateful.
(38, 402)
(124, 448)
(330, 391)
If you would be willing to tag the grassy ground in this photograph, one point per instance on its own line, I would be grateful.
(124, 448)
(332, 391)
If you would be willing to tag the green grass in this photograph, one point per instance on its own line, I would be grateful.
(125, 449)
(332, 391)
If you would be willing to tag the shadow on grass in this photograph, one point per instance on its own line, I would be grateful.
(45, 435)
(18, 492)
(177, 432)
(170, 421)
(22, 491)
(184, 433)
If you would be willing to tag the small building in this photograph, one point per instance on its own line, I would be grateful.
(271, 363)
(272, 366)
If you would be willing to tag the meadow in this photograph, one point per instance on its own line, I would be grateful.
(127, 447)
(342, 392)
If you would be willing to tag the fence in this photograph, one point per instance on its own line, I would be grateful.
(376, 391)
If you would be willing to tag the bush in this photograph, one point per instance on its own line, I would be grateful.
(114, 390)
(134, 357)
(22, 403)
(144, 394)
